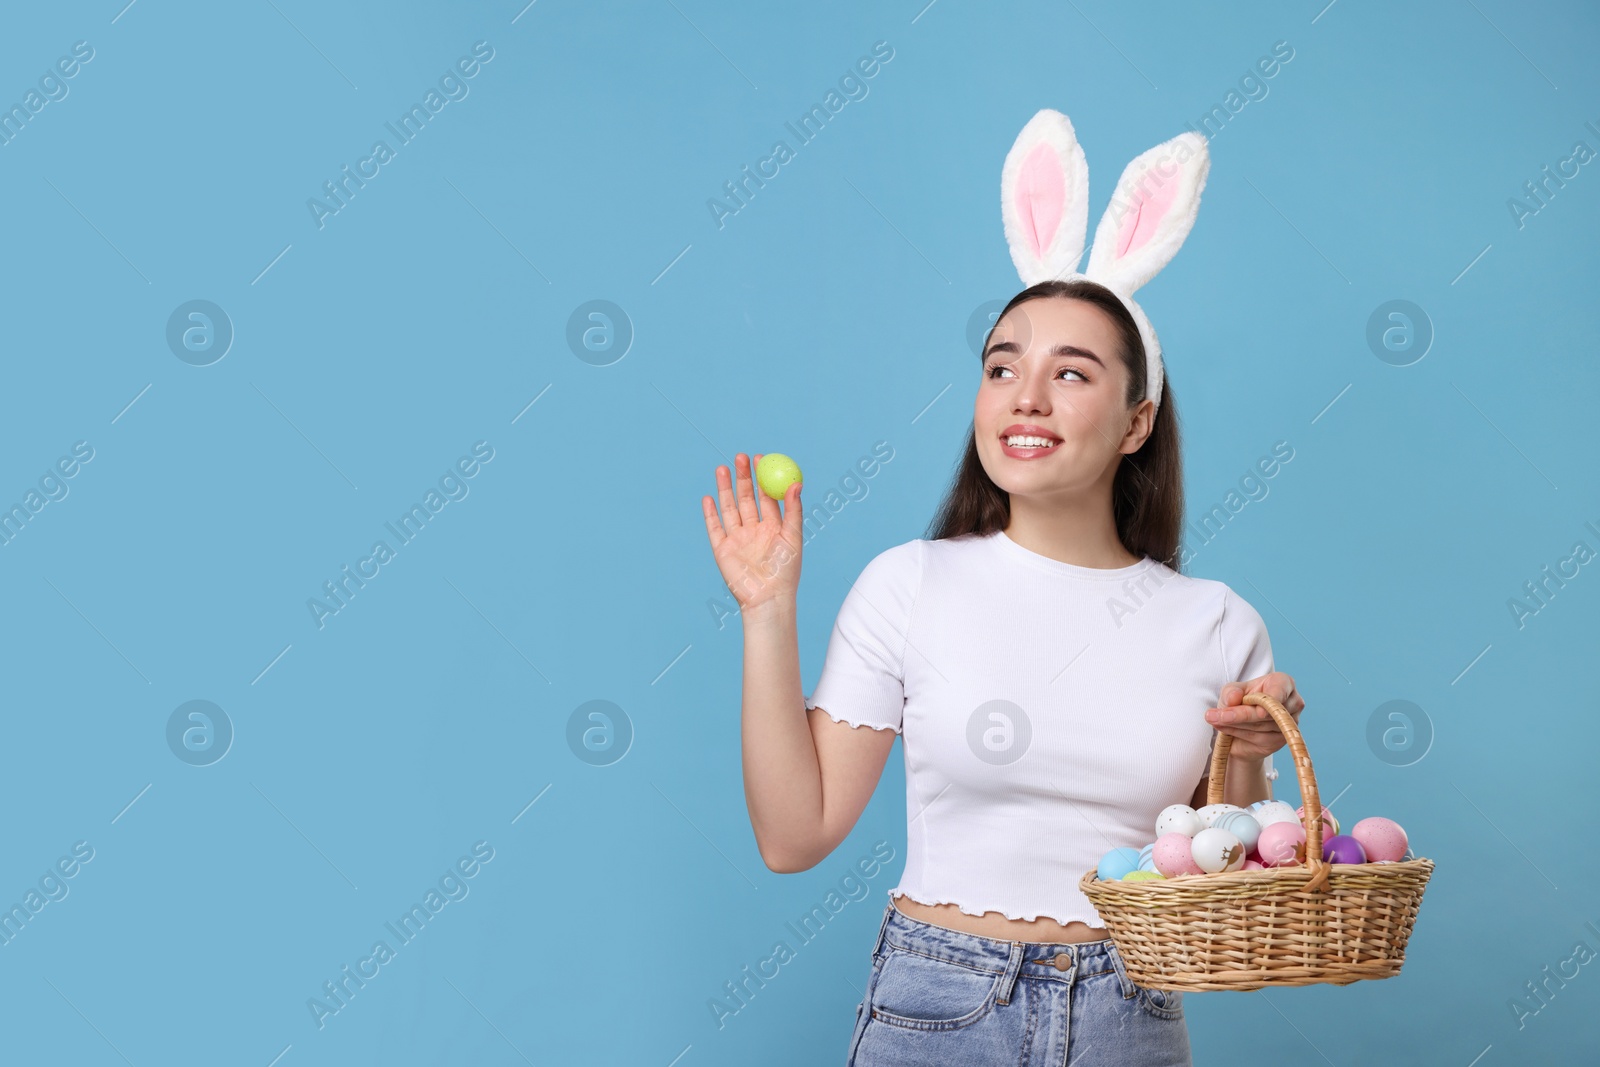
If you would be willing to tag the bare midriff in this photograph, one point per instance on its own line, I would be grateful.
(996, 925)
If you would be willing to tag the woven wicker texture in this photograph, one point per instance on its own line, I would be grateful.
(1283, 926)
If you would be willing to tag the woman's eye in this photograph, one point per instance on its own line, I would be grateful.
(1064, 370)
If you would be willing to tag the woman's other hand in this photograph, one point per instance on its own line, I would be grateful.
(1255, 735)
(758, 554)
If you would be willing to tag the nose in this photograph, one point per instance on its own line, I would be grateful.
(1033, 397)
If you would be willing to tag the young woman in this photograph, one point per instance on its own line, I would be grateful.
(1052, 676)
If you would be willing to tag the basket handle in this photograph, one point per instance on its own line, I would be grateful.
(1317, 867)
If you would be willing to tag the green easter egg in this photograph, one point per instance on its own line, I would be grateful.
(775, 473)
(1143, 876)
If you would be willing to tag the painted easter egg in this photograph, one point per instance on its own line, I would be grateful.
(1342, 848)
(1267, 812)
(1382, 838)
(775, 473)
(1243, 825)
(1173, 856)
(1217, 851)
(1116, 863)
(1178, 819)
(1212, 812)
(1282, 844)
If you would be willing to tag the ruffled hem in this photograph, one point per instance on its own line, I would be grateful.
(851, 722)
(1091, 919)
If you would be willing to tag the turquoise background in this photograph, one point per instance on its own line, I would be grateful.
(431, 312)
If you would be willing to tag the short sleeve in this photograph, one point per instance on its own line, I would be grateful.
(863, 675)
(1245, 648)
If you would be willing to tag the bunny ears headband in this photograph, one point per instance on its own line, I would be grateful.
(1044, 202)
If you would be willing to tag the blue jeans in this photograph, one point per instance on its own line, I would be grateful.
(937, 996)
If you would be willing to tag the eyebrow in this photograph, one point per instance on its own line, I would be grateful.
(1057, 351)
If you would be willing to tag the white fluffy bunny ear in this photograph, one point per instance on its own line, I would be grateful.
(1150, 214)
(1044, 198)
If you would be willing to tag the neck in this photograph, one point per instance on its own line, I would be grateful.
(1080, 530)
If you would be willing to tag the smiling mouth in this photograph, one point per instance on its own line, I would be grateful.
(1029, 442)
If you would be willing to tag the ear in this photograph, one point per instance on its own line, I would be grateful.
(1150, 214)
(1044, 198)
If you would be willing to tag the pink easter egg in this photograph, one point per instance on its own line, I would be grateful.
(1282, 844)
(1330, 822)
(1252, 865)
(1382, 838)
(1172, 855)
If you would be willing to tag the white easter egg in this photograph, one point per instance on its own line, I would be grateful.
(1181, 819)
(1212, 812)
(1216, 851)
(1271, 811)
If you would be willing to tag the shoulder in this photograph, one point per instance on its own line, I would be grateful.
(1210, 602)
(894, 573)
(1217, 594)
(1239, 624)
(1191, 594)
(1237, 608)
(896, 561)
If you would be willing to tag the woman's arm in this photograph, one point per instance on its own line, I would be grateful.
(782, 778)
(807, 778)
(1247, 783)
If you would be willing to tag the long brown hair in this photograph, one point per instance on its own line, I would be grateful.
(1147, 490)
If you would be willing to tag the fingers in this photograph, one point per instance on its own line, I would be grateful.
(1250, 729)
(1236, 713)
(765, 504)
(1253, 744)
(744, 492)
(793, 514)
(714, 528)
(1294, 703)
(1277, 685)
(730, 511)
(1242, 713)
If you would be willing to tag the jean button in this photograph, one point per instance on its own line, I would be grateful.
(1062, 961)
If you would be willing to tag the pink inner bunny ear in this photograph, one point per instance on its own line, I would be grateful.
(1150, 214)
(1041, 197)
(1044, 198)
(1141, 222)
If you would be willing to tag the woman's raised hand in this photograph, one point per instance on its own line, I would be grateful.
(758, 554)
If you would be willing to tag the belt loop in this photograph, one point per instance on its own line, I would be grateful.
(877, 945)
(1013, 966)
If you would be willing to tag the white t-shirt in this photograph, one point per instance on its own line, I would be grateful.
(1047, 711)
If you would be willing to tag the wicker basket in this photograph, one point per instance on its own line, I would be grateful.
(1283, 926)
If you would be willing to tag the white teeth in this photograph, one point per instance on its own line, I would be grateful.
(1024, 441)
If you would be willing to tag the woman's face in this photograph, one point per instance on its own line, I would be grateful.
(1053, 369)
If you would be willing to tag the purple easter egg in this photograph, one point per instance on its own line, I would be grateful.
(1342, 848)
